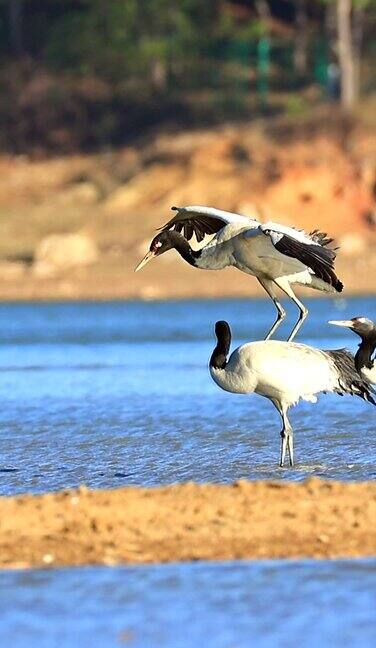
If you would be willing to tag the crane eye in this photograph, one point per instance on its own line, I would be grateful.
(155, 246)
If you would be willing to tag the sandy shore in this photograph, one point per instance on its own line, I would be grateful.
(318, 519)
(170, 278)
(75, 226)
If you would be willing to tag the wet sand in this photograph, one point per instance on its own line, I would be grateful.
(256, 520)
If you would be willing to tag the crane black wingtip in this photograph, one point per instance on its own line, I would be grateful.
(174, 208)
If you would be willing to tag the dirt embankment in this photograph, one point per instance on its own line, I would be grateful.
(319, 519)
(114, 202)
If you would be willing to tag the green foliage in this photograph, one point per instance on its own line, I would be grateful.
(296, 106)
(93, 72)
(118, 38)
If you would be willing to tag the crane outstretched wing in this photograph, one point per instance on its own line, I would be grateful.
(200, 221)
(310, 249)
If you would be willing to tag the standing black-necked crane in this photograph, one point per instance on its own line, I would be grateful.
(277, 255)
(285, 373)
(366, 329)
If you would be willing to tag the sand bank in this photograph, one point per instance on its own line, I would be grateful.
(258, 520)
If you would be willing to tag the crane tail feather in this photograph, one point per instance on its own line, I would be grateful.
(349, 380)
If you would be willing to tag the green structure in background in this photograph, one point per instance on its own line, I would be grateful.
(321, 59)
(239, 62)
(263, 68)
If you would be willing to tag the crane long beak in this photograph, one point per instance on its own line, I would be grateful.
(148, 257)
(346, 323)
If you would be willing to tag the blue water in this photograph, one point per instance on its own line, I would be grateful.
(219, 605)
(119, 393)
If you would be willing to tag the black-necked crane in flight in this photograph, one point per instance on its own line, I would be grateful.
(285, 373)
(365, 361)
(277, 255)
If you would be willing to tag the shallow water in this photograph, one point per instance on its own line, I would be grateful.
(119, 393)
(220, 605)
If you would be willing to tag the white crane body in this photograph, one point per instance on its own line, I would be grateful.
(285, 370)
(285, 373)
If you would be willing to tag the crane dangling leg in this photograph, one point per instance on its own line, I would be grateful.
(283, 284)
(267, 284)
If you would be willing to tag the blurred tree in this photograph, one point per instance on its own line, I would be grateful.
(121, 38)
(350, 17)
(263, 52)
(301, 39)
(103, 68)
(346, 54)
(15, 26)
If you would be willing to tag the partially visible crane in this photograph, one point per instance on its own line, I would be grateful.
(366, 329)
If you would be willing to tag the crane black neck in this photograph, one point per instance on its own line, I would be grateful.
(218, 358)
(363, 356)
(182, 246)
